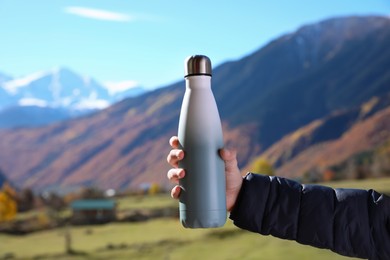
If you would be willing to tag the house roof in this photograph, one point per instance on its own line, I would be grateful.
(93, 204)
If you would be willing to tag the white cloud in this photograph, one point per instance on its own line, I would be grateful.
(99, 14)
(32, 102)
(92, 104)
(115, 87)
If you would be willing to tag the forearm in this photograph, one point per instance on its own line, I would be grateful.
(345, 221)
(252, 209)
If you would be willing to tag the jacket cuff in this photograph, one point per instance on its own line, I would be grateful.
(253, 195)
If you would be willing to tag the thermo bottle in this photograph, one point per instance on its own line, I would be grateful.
(202, 200)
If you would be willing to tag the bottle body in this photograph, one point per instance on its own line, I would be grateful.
(203, 196)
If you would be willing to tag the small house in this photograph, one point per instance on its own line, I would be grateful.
(93, 211)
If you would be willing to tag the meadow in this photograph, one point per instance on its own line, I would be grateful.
(164, 238)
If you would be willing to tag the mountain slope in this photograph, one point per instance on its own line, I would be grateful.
(364, 136)
(319, 70)
(329, 141)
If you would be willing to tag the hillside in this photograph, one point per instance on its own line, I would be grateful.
(330, 141)
(319, 70)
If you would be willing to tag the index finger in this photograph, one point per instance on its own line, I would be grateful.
(174, 142)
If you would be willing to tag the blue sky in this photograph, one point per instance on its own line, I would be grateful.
(147, 41)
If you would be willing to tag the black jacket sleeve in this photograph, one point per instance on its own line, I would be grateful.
(350, 222)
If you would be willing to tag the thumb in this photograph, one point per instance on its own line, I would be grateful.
(230, 159)
(233, 176)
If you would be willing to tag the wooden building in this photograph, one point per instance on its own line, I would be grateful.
(93, 211)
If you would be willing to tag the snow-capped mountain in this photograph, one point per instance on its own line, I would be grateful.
(57, 90)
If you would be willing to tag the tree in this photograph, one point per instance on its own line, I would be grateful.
(381, 163)
(328, 175)
(154, 189)
(53, 201)
(26, 200)
(92, 193)
(261, 165)
(8, 206)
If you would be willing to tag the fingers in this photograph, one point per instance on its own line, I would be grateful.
(175, 192)
(174, 142)
(175, 156)
(175, 174)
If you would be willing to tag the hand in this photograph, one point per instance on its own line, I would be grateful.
(233, 175)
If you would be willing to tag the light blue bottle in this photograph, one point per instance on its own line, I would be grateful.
(203, 195)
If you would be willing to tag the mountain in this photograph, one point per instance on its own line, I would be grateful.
(315, 73)
(299, 77)
(57, 88)
(50, 96)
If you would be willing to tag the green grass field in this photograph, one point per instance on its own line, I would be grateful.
(381, 185)
(146, 202)
(157, 239)
(165, 238)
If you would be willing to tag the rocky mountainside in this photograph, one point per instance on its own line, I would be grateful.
(317, 72)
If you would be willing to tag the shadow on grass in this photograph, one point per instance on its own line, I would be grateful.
(145, 247)
(71, 253)
(223, 234)
(139, 250)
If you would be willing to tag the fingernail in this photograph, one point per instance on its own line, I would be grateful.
(226, 152)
